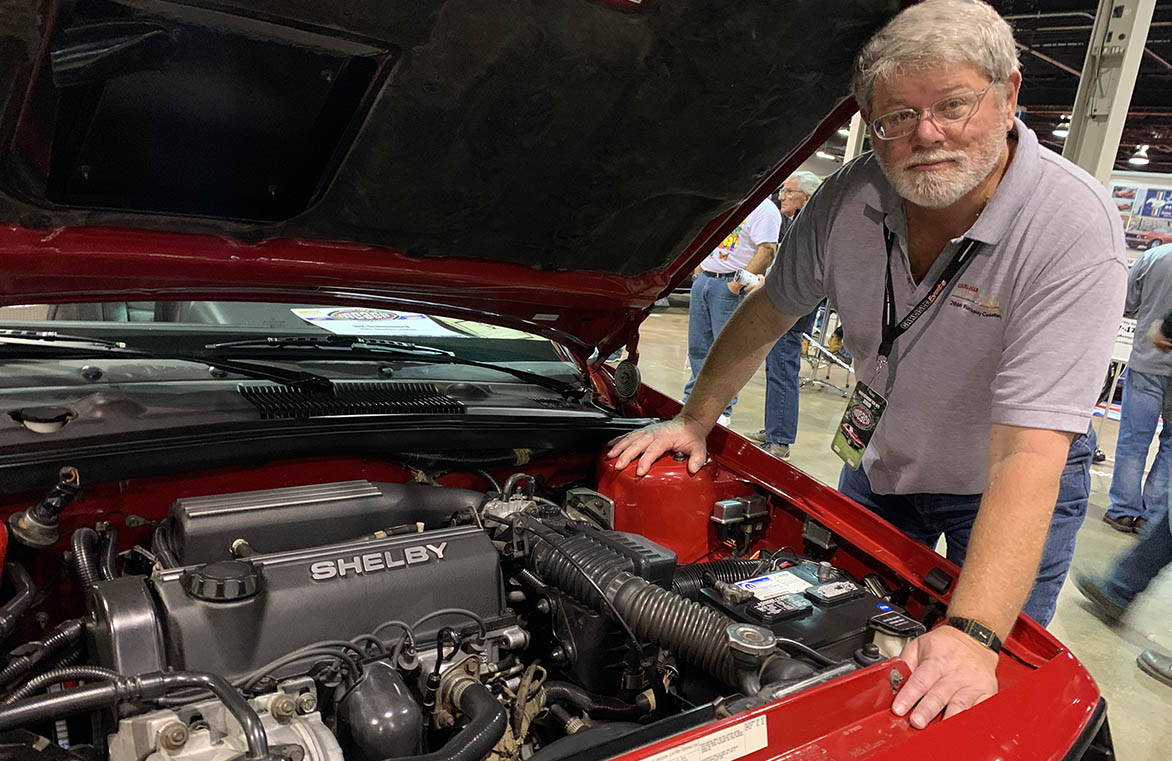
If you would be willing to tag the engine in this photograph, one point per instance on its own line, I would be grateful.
(373, 621)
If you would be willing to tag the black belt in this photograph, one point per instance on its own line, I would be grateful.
(721, 275)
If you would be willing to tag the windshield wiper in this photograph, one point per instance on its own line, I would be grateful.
(60, 345)
(52, 336)
(343, 342)
(390, 348)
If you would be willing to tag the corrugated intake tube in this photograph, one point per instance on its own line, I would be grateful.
(689, 579)
(691, 631)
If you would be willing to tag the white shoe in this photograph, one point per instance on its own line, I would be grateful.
(757, 436)
(725, 420)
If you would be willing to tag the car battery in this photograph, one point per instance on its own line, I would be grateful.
(818, 606)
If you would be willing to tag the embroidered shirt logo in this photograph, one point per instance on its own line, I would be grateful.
(968, 297)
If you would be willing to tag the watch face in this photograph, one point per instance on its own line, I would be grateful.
(977, 631)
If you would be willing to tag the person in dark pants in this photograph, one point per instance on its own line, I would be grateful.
(1112, 594)
(784, 361)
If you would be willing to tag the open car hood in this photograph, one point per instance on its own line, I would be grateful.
(551, 165)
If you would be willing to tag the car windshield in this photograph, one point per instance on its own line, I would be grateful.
(311, 333)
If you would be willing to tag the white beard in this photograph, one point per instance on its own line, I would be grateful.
(941, 188)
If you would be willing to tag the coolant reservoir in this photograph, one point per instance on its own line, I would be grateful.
(669, 505)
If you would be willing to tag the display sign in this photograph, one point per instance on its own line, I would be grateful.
(1157, 203)
(378, 322)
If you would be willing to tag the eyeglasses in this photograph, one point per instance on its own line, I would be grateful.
(953, 108)
(787, 191)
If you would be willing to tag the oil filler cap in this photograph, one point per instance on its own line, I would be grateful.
(223, 581)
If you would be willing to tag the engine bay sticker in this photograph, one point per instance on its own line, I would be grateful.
(775, 585)
(734, 742)
(373, 322)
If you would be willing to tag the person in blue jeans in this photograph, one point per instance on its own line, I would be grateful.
(1135, 501)
(719, 285)
(783, 364)
(710, 306)
(1131, 573)
(925, 517)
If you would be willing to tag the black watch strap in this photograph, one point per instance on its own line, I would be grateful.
(977, 631)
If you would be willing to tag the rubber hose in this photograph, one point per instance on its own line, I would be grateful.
(693, 632)
(12, 610)
(161, 546)
(109, 552)
(689, 579)
(65, 633)
(85, 545)
(151, 686)
(53, 676)
(485, 728)
(598, 706)
(781, 669)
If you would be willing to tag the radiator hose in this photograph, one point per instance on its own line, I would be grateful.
(598, 706)
(485, 728)
(693, 632)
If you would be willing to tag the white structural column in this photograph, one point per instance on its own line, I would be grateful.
(854, 140)
(1108, 79)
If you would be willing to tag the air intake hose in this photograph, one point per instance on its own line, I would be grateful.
(688, 629)
(689, 579)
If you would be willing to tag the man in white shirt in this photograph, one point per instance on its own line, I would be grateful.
(717, 289)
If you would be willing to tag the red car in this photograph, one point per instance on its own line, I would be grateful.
(306, 309)
(1148, 239)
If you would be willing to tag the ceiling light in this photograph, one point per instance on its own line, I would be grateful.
(844, 132)
(827, 156)
(1063, 128)
(1140, 157)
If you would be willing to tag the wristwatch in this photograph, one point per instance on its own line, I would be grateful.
(977, 631)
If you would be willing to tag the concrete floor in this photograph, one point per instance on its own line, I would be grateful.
(1139, 707)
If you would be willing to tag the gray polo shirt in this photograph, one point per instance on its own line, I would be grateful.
(1022, 337)
(1149, 298)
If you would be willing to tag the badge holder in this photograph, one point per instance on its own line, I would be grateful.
(858, 424)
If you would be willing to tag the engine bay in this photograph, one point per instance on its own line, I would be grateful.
(368, 619)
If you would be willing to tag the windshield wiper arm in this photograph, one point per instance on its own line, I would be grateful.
(52, 336)
(386, 347)
(333, 340)
(61, 345)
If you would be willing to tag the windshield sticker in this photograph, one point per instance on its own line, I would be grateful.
(352, 321)
(775, 585)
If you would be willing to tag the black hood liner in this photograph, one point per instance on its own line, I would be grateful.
(560, 134)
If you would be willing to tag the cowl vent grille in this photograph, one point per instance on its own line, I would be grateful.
(278, 402)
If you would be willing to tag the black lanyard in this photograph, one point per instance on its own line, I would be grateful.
(892, 329)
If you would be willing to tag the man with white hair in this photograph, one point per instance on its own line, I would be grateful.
(980, 280)
(784, 361)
